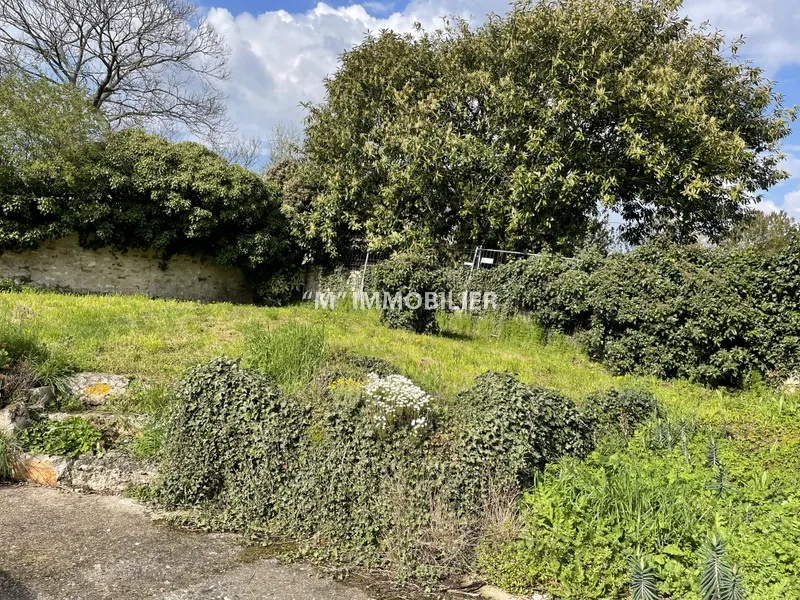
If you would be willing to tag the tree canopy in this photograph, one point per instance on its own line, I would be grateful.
(50, 139)
(518, 133)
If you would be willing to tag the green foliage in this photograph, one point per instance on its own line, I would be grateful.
(26, 362)
(328, 473)
(432, 136)
(185, 198)
(290, 353)
(621, 410)
(643, 579)
(411, 276)
(582, 518)
(769, 233)
(154, 402)
(66, 174)
(719, 580)
(72, 437)
(716, 316)
(227, 427)
(48, 144)
(509, 431)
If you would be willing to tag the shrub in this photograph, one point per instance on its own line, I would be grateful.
(342, 483)
(228, 427)
(408, 274)
(508, 431)
(710, 315)
(72, 437)
(622, 410)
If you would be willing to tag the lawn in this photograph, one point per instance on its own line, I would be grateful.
(161, 339)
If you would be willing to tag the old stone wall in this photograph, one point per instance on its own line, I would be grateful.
(63, 265)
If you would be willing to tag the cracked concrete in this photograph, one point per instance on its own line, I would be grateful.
(63, 545)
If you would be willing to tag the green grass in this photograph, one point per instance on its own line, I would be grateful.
(161, 340)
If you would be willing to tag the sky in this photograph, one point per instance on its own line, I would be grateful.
(281, 50)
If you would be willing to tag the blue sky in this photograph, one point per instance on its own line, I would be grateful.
(282, 49)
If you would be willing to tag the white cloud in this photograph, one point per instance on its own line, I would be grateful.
(791, 163)
(769, 26)
(791, 204)
(767, 207)
(279, 59)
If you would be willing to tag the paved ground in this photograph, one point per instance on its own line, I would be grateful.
(58, 545)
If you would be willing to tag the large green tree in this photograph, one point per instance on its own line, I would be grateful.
(518, 133)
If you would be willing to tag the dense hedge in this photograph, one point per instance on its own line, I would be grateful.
(327, 473)
(135, 190)
(411, 276)
(716, 316)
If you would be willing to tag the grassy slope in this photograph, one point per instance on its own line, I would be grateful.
(161, 340)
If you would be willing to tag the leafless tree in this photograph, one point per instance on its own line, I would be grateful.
(244, 151)
(142, 62)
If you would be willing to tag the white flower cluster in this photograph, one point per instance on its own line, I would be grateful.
(395, 401)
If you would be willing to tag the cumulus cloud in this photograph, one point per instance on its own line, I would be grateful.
(769, 27)
(279, 59)
(791, 204)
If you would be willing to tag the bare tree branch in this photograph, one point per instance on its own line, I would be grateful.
(143, 62)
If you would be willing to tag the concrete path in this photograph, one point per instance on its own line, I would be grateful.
(59, 545)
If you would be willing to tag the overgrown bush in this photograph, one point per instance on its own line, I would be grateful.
(327, 473)
(618, 410)
(508, 431)
(710, 315)
(72, 437)
(411, 276)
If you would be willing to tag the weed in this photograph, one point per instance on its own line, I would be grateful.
(72, 437)
(9, 451)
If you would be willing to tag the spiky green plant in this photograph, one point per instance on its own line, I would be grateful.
(643, 579)
(719, 483)
(734, 588)
(712, 453)
(719, 580)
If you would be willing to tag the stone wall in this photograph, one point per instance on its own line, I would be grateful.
(63, 265)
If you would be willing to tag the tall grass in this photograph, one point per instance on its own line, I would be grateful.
(290, 353)
(9, 452)
(23, 344)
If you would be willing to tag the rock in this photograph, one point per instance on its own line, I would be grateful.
(41, 469)
(14, 417)
(95, 388)
(39, 397)
(109, 474)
